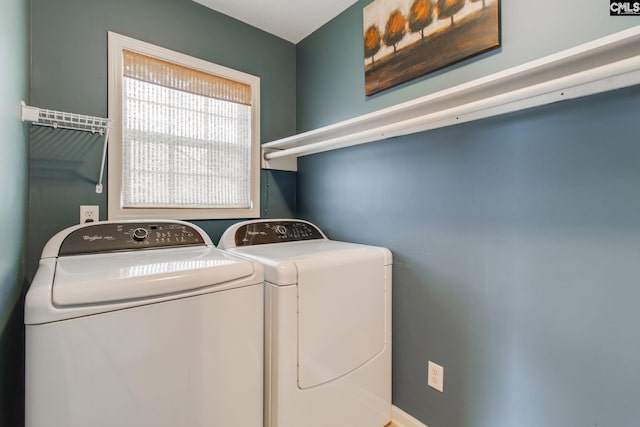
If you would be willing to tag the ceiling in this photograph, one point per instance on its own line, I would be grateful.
(292, 20)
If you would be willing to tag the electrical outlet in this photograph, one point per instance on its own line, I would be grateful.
(89, 213)
(436, 376)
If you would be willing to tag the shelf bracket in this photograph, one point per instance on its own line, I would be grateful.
(286, 163)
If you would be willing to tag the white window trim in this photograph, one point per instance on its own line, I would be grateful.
(116, 211)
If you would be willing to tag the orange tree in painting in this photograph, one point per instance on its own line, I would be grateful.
(372, 42)
(420, 16)
(448, 8)
(395, 29)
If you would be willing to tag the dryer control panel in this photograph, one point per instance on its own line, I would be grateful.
(264, 232)
(126, 236)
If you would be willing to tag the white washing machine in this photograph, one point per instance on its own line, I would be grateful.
(327, 324)
(143, 324)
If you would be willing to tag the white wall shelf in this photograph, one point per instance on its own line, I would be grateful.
(61, 120)
(602, 65)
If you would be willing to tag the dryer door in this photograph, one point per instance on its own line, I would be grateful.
(341, 312)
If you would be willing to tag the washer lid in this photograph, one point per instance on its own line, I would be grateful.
(122, 276)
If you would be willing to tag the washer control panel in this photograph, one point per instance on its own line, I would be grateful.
(126, 236)
(261, 233)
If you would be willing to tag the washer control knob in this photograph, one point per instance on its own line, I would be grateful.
(140, 234)
(281, 230)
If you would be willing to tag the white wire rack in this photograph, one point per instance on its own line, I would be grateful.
(61, 120)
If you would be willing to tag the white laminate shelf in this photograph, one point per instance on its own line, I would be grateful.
(602, 65)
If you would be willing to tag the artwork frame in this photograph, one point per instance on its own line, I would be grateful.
(407, 39)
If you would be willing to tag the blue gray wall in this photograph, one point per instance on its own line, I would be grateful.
(69, 73)
(516, 239)
(14, 80)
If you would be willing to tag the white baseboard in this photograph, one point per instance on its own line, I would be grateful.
(402, 419)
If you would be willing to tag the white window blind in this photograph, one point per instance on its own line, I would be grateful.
(186, 139)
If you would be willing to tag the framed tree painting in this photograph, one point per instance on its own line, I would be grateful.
(406, 39)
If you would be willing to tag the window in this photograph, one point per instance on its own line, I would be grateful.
(185, 137)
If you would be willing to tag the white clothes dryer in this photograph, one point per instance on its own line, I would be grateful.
(143, 324)
(327, 324)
